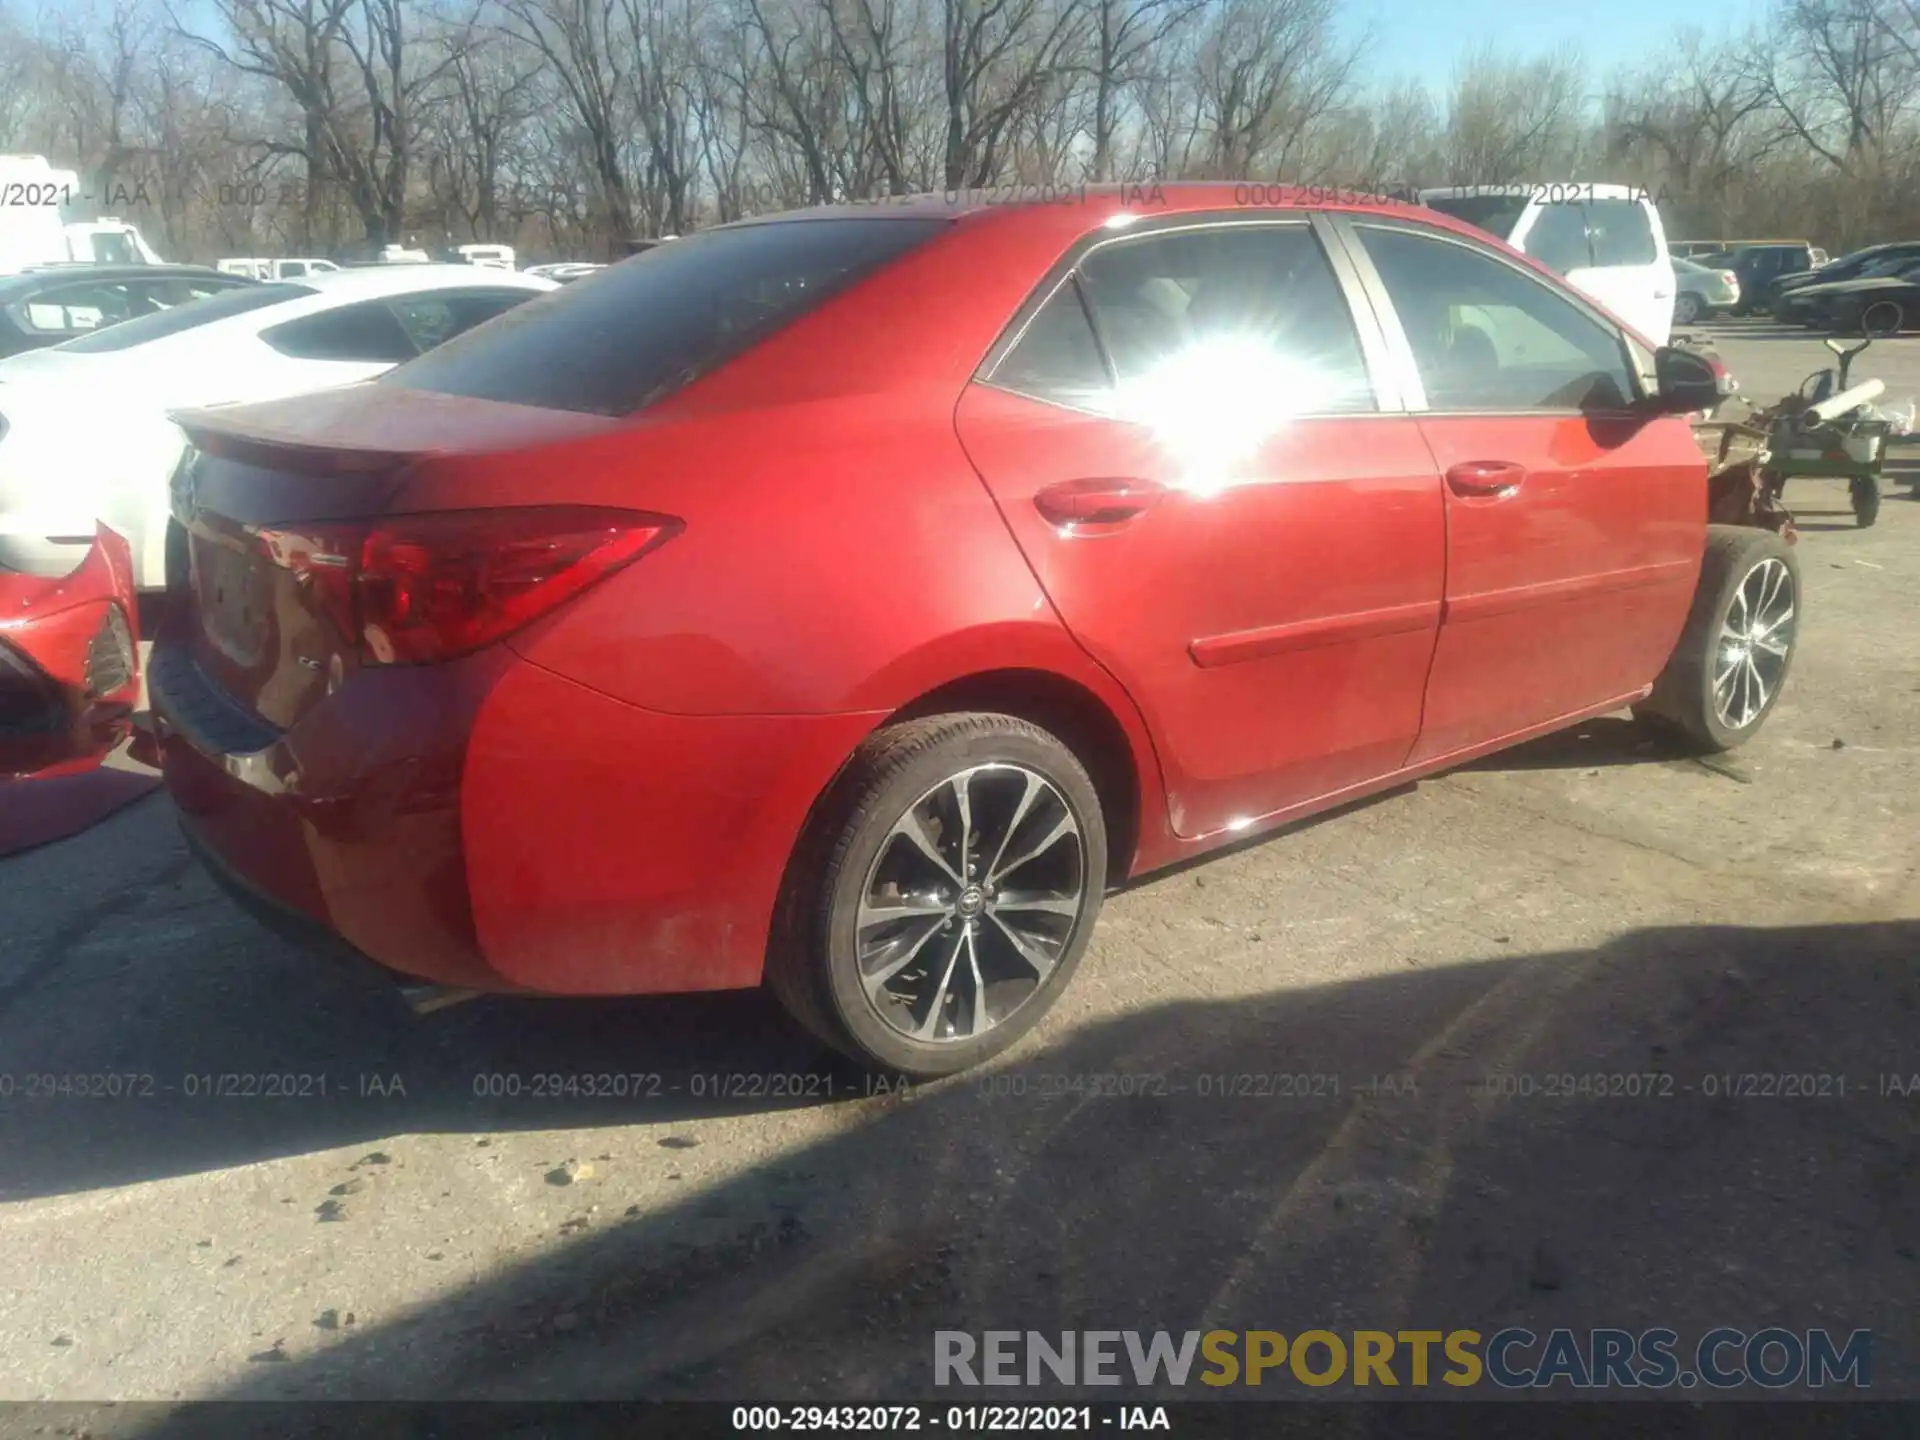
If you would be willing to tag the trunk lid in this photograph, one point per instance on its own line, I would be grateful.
(258, 628)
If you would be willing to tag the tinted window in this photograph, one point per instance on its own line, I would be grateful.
(1218, 310)
(1487, 337)
(366, 334)
(293, 268)
(114, 249)
(76, 309)
(164, 294)
(1621, 232)
(635, 332)
(1057, 357)
(435, 318)
(237, 301)
(1558, 238)
(1495, 214)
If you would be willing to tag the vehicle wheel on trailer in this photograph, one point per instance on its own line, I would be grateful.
(1864, 492)
(942, 895)
(1883, 317)
(1727, 671)
(1686, 308)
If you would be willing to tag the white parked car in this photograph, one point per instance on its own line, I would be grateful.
(566, 271)
(498, 257)
(260, 268)
(84, 428)
(1607, 240)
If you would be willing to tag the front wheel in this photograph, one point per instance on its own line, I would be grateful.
(1726, 674)
(1864, 492)
(1883, 317)
(943, 895)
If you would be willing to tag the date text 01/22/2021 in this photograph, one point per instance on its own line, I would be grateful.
(874, 1419)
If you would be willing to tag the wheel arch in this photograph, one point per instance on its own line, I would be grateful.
(1081, 720)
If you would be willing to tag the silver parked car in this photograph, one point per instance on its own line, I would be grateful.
(1700, 292)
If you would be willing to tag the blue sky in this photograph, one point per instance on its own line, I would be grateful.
(1425, 39)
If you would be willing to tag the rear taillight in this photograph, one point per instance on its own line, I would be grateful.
(411, 589)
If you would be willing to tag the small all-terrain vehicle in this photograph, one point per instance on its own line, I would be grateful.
(1828, 429)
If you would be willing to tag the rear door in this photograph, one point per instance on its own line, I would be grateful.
(1199, 451)
(1574, 527)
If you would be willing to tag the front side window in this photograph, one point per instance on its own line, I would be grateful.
(1487, 337)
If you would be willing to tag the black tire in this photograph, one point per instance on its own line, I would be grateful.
(1688, 309)
(1864, 492)
(1883, 317)
(1683, 700)
(813, 965)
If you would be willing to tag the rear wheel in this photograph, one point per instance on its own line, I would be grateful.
(943, 895)
(1864, 492)
(1726, 674)
(1686, 308)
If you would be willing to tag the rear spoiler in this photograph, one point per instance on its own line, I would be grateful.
(368, 428)
(296, 457)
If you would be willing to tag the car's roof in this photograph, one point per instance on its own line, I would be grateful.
(1095, 202)
(372, 281)
(1596, 189)
(83, 270)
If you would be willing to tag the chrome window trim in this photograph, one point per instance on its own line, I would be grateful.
(1388, 399)
(1349, 227)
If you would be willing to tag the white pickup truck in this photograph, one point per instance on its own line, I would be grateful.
(35, 197)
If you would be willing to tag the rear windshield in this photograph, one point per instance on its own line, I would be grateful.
(1495, 214)
(237, 301)
(633, 333)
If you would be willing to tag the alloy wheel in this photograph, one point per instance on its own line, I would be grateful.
(973, 897)
(1756, 639)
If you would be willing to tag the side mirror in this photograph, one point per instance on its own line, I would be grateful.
(1688, 382)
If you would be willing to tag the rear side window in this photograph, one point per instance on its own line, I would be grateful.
(1558, 238)
(1622, 233)
(1224, 309)
(636, 332)
(1057, 357)
(368, 334)
(434, 318)
(1171, 320)
(77, 309)
(237, 301)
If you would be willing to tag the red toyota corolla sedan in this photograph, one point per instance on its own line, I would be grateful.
(845, 600)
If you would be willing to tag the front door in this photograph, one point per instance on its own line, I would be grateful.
(1574, 526)
(1189, 446)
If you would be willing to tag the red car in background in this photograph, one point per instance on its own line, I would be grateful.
(69, 663)
(845, 600)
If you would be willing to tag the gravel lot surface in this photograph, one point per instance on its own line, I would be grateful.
(1591, 905)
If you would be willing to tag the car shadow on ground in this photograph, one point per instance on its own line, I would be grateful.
(1686, 1127)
